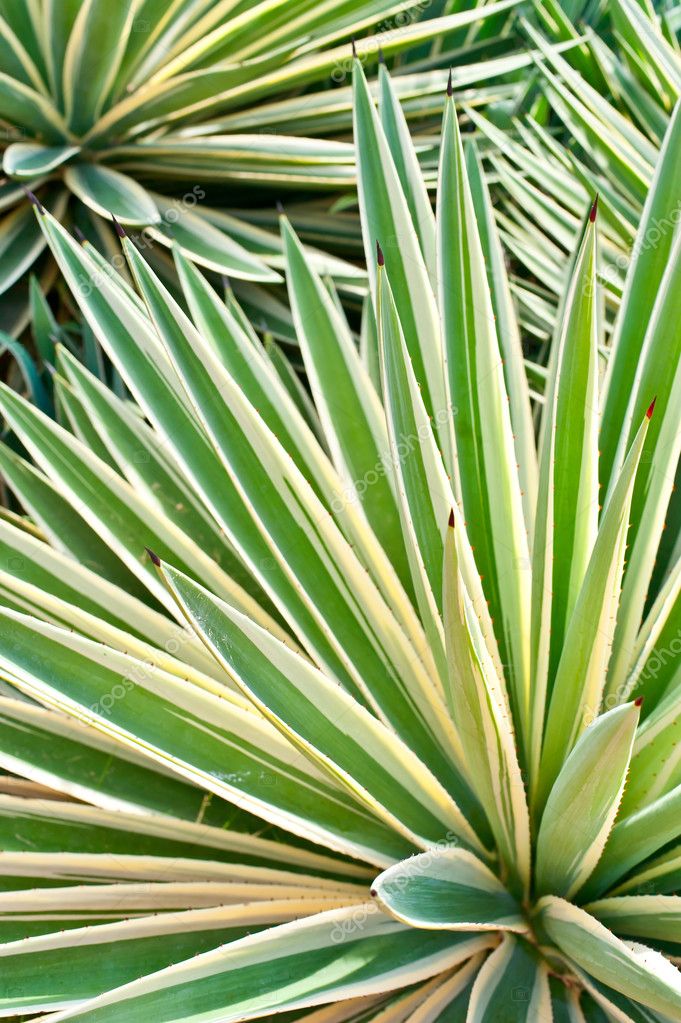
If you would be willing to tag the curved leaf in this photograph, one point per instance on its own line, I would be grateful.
(634, 970)
(322, 720)
(108, 192)
(325, 957)
(514, 980)
(447, 889)
(583, 803)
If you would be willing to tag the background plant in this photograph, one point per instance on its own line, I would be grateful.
(198, 116)
(156, 113)
(199, 105)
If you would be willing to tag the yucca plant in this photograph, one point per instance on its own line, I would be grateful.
(385, 623)
(592, 119)
(166, 114)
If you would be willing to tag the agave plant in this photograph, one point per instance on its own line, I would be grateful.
(593, 121)
(156, 112)
(350, 741)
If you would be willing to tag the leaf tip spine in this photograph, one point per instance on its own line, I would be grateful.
(450, 88)
(117, 227)
(380, 259)
(651, 408)
(594, 209)
(155, 560)
(32, 197)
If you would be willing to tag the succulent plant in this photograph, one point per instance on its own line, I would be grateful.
(361, 735)
(160, 112)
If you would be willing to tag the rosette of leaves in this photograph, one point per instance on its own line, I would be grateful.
(385, 622)
(593, 119)
(603, 109)
(157, 112)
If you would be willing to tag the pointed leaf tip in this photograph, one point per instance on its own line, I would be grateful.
(80, 237)
(651, 408)
(354, 49)
(451, 518)
(154, 557)
(35, 200)
(638, 702)
(119, 230)
(594, 209)
(280, 207)
(381, 55)
(450, 88)
(379, 255)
